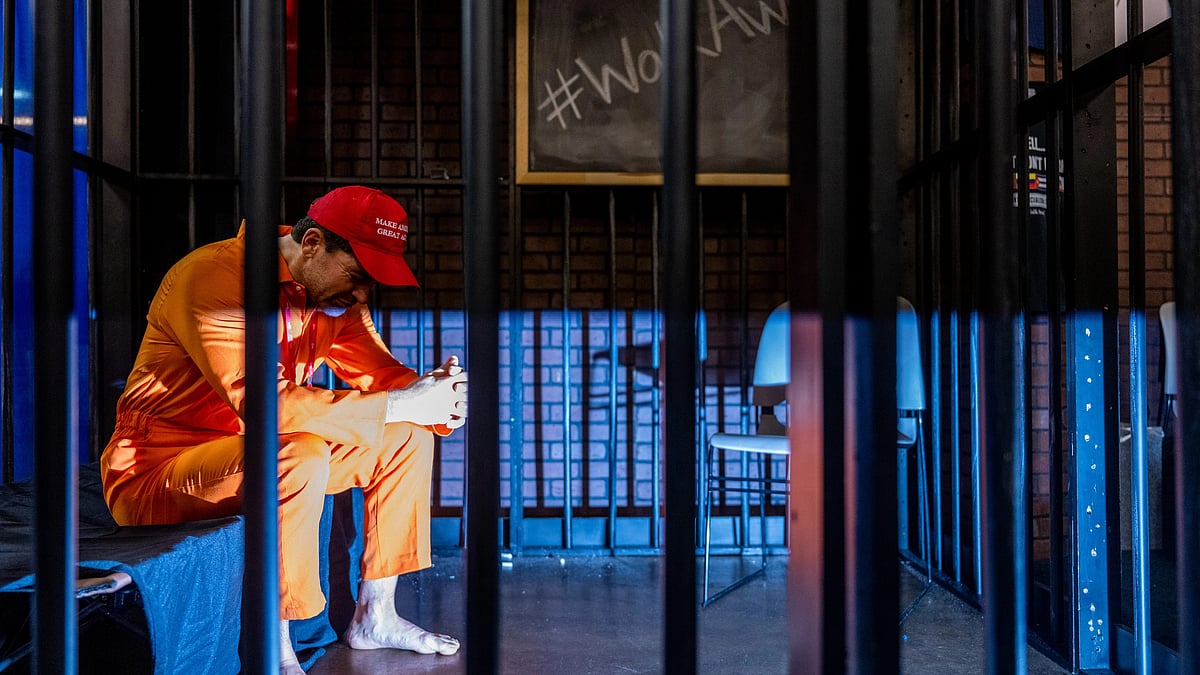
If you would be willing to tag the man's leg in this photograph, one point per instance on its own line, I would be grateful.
(396, 486)
(205, 481)
(288, 663)
(377, 625)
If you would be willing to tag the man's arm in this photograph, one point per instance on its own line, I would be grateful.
(202, 312)
(359, 356)
(436, 399)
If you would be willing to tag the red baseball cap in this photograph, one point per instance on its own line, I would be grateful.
(376, 227)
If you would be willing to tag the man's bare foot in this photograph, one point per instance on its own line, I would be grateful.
(398, 633)
(288, 663)
(376, 625)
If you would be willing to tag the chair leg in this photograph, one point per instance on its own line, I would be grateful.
(707, 496)
(923, 496)
(710, 598)
(923, 514)
(762, 511)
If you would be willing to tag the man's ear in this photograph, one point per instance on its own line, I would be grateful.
(312, 242)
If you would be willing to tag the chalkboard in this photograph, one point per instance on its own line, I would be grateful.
(589, 76)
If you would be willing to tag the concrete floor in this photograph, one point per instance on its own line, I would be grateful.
(584, 615)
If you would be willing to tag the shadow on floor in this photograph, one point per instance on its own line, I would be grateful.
(584, 615)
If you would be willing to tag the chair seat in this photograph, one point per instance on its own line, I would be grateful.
(770, 445)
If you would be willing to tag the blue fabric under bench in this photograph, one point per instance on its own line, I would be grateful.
(189, 575)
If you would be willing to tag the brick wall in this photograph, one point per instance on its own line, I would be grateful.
(604, 237)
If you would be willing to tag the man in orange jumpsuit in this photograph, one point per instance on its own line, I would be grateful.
(176, 453)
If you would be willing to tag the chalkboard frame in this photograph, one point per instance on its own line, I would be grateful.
(526, 176)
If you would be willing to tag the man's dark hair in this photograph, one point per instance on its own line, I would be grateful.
(333, 242)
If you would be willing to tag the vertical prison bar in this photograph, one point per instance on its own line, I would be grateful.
(1054, 333)
(870, 324)
(613, 354)
(55, 630)
(568, 526)
(260, 143)
(516, 384)
(816, 126)
(1185, 101)
(1139, 469)
(1022, 419)
(679, 273)
(1002, 498)
(481, 61)
(6, 247)
(656, 331)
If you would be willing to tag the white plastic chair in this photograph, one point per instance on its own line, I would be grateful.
(772, 369)
(910, 406)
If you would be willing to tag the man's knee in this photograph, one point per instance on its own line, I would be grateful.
(410, 441)
(303, 463)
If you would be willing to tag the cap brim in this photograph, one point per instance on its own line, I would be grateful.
(385, 268)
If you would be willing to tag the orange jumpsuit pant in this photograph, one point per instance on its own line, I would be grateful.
(196, 482)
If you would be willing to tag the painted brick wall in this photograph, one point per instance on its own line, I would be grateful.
(604, 237)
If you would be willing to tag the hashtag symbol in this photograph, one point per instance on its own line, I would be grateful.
(569, 95)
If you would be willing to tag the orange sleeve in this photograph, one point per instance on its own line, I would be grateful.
(359, 356)
(203, 313)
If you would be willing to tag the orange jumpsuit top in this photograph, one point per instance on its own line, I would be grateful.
(189, 376)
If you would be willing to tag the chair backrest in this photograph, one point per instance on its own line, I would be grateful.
(772, 364)
(910, 376)
(1166, 317)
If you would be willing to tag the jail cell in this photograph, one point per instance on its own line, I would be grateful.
(1033, 220)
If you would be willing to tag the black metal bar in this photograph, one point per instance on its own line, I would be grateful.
(482, 58)
(1001, 499)
(680, 250)
(1099, 72)
(1071, 571)
(974, 377)
(568, 522)
(135, 157)
(816, 140)
(613, 354)
(744, 363)
(190, 115)
(1138, 417)
(260, 141)
(374, 49)
(1185, 131)
(327, 84)
(422, 296)
(701, 382)
(932, 299)
(56, 502)
(951, 271)
(870, 377)
(956, 438)
(1058, 606)
(1021, 367)
(656, 337)
(516, 383)
(7, 451)
(418, 91)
